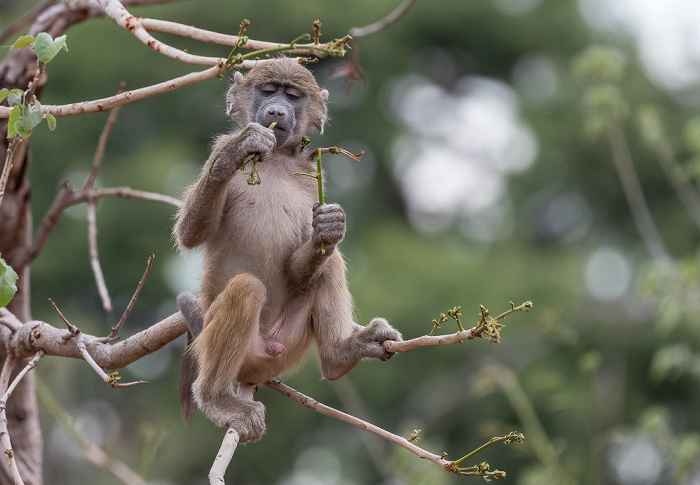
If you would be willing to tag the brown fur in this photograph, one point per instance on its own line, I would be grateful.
(268, 290)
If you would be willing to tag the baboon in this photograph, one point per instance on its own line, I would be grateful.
(269, 289)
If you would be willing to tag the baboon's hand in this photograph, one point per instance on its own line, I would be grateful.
(257, 139)
(369, 342)
(254, 139)
(328, 224)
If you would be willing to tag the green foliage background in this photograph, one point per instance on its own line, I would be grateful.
(584, 379)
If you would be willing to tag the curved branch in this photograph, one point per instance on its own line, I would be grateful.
(358, 32)
(116, 11)
(357, 422)
(67, 197)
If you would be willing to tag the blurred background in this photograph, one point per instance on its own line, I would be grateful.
(506, 145)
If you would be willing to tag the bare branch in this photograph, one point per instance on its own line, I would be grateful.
(102, 143)
(115, 330)
(106, 104)
(358, 32)
(30, 365)
(111, 379)
(67, 197)
(95, 257)
(229, 443)
(9, 364)
(358, 423)
(7, 167)
(35, 335)
(116, 11)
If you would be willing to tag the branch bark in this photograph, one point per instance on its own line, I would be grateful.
(35, 335)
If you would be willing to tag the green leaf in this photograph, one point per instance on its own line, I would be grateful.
(51, 120)
(46, 48)
(8, 278)
(21, 131)
(12, 122)
(4, 92)
(22, 42)
(15, 97)
(31, 118)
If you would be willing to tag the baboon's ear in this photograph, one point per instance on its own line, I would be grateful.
(237, 79)
(324, 114)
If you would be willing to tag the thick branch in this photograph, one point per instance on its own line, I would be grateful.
(36, 335)
(105, 104)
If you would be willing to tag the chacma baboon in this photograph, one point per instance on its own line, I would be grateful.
(268, 289)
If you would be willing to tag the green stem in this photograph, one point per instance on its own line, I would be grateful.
(522, 308)
(493, 441)
(319, 179)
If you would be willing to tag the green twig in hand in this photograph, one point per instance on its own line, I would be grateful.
(319, 178)
(254, 176)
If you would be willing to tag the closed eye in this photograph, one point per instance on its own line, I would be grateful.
(292, 93)
(268, 89)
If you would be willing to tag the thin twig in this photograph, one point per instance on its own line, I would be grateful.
(229, 443)
(7, 368)
(115, 330)
(102, 143)
(7, 167)
(95, 257)
(77, 336)
(364, 425)
(92, 208)
(358, 32)
(14, 144)
(30, 365)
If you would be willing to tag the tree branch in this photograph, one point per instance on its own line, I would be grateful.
(358, 32)
(67, 197)
(4, 432)
(229, 443)
(37, 335)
